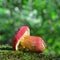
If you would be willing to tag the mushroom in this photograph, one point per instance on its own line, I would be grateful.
(34, 43)
(21, 33)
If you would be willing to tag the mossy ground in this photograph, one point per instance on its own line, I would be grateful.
(7, 53)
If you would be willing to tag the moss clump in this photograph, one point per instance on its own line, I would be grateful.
(6, 53)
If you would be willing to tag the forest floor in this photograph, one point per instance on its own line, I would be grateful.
(7, 53)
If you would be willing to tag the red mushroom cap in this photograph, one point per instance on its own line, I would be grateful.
(21, 33)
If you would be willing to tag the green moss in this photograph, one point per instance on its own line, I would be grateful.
(6, 53)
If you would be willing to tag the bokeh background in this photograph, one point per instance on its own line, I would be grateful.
(42, 17)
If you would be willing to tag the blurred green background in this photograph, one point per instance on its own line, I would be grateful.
(42, 17)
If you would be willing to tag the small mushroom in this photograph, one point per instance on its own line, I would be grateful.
(21, 33)
(34, 43)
